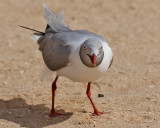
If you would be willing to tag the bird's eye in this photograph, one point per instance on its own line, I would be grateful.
(84, 47)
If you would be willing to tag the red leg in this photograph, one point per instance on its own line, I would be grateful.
(88, 92)
(54, 87)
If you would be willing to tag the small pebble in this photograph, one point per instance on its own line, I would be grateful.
(100, 95)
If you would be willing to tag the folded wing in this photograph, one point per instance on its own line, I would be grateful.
(55, 52)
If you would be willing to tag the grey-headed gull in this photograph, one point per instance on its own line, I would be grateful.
(79, 55)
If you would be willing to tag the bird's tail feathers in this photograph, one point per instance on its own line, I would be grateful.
(36, 37)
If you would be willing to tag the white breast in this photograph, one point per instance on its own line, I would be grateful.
(79, 72)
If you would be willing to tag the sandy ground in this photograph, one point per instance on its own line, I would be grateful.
(131, 87)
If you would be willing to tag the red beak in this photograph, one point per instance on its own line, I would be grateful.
(93, 58)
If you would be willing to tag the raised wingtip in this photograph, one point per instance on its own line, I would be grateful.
(45, 5)
(61, 14)
(55, 21)
(47, 11)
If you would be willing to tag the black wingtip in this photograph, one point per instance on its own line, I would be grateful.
(32, 29)
(47, 27)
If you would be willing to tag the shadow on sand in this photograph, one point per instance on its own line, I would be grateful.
(31, 116)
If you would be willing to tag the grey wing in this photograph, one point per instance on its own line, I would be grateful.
(55, 52)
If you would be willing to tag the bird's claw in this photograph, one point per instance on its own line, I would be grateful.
(52, 114)
(97, 113)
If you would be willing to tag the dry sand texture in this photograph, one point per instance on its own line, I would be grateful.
(131, 86)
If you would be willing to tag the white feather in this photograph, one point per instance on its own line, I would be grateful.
(46, 74)
(35, 37)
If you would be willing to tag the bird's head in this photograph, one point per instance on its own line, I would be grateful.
(91, 52)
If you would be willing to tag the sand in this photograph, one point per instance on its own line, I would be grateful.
(131, 87)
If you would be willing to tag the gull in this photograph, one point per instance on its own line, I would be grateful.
(79, 55)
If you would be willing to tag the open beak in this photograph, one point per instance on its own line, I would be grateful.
(93, 59)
